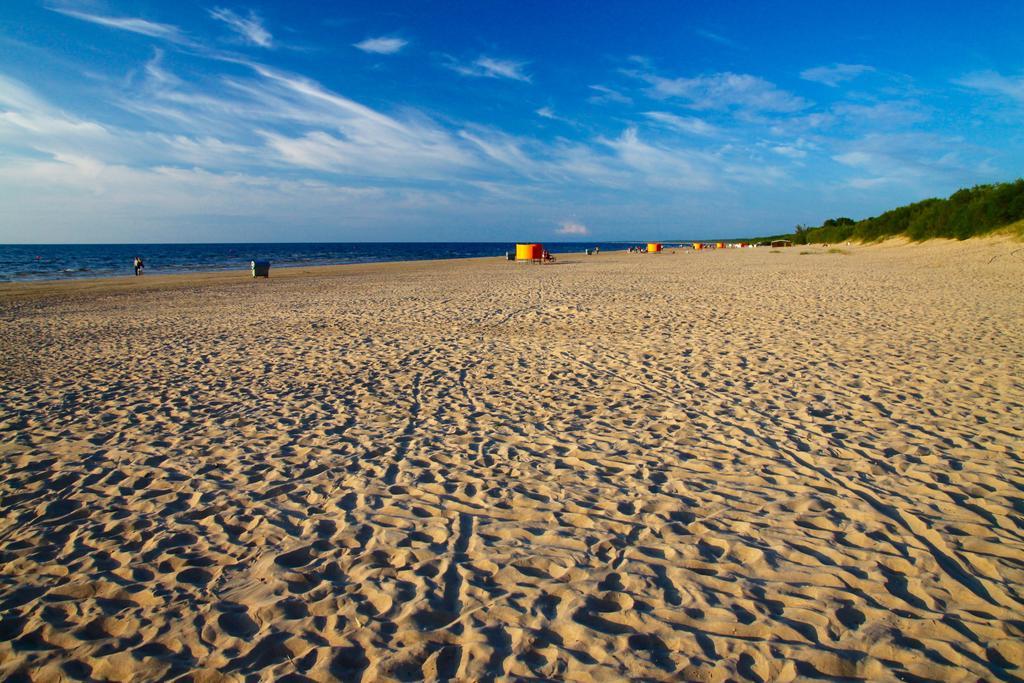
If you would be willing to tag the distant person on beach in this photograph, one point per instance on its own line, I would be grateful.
(138, 266)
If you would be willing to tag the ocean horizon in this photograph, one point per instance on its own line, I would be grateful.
(28, 262)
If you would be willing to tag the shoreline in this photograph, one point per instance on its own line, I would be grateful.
(399, 252)
(36, 289)
(169, 281)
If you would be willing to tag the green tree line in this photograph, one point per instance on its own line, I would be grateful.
(966, 213)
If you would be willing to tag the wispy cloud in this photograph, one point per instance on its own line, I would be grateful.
(27, 121)
(363, 141)
(572, 228)
(666, 167)
(789, 151)
(917, 160)
(888, 114)
(833, 75)
(721, 91)
(606, 94)
(490, 67)
(130, 24)
(504, 149)
(250, 29)
(717, 38)
(683, 124)
(382, 45)
(156, 73)
(994, 83)
(260, 126)
(551, 115)
(68, 169)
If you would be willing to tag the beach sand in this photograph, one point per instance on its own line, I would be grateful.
(731, 465)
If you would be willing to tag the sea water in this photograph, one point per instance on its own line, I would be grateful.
(69, 261)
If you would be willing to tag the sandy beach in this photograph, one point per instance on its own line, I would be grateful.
(748, 465)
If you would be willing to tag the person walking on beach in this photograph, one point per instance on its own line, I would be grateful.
(138, 266)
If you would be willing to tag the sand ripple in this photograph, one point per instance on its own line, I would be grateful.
(725, 466)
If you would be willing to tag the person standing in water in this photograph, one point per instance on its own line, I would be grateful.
(138, 266)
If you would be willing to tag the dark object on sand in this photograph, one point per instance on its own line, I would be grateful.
(261, 268)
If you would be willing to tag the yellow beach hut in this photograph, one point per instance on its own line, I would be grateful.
(529, 252)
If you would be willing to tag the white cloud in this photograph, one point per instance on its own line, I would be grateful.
(551, 115)
(324, 131)
(234, 134)
(868, 183)
(995, 83)
(404, 153)
(572, 228)
(251, 30)
(683, 124)
(887, 114)
(582, 163)
(27, 122)
(370, 143)
(916, 160)
(662, 166)
(716, 37)
(815, 122)
(130, 24)
(157, 74)
(722, 91)
(606, 94)
(16, 96)
(504, 149)
(502, 68)
(489, 67)
(67, 192)
(833, 75)
(382, 45)
(789, 151)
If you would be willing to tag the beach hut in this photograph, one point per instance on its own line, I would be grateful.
(529, 252)
(697, 246)
(654, 247)
(781, 243)
(719, 245)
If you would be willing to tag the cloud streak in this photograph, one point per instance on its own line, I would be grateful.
(382, 45)
(608, 95)
(572, 228)
(491, 67)
(916, 160)
(250, 29)
(833, 75)
(717, 38)
(683, 124)
(130, 24)
(721, 91)
(994, 83)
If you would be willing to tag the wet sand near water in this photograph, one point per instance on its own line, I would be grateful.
(733, 465)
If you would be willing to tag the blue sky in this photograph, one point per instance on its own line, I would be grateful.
(325, 121)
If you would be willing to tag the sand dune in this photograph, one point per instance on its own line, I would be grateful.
(736, 465)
